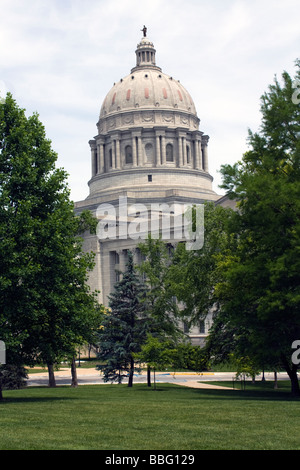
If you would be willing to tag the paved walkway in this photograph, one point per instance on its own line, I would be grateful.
(92, 376)
(195, 384)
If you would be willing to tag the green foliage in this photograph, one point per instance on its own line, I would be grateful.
(156, 353)
(45, 304)
(260, 286)
(187, 356)
(193, 272)
(124, 327)
(244, 366)
(160, 301)
(12, 377)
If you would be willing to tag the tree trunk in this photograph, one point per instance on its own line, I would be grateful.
(130, 380)
(292, 373)
(275, 380)
(74, 382)
(149, 376)
(294, 382)
(52, 382)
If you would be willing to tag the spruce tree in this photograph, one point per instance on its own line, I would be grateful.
(124, 327)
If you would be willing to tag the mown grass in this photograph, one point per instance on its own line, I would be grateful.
(115, 417)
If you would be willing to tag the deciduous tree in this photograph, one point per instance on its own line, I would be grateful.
(260, 292)
(45, 302)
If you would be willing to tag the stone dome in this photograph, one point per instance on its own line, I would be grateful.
(148, 141)
(147, 88)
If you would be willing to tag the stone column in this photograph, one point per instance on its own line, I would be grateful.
(140, 152)
(134, 156)
(158, 162)
(205, 153)
(200, 154)
(197, 154)
(184, 151)
(118, 154)
(93, 157)
(98, 160)
(180, 162)
(113, 155)
(163, 149)
(101, 158)
(137, 148)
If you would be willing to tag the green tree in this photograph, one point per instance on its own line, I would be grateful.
(193, 273)
(156, 353)
(161, 303)
(260, 291)
(44, 299)
(124, 327)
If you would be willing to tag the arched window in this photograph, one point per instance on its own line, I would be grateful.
(169, 153)
(128, 154)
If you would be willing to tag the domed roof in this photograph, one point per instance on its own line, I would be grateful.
(147, 87)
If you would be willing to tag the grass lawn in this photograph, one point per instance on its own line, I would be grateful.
(115, 417)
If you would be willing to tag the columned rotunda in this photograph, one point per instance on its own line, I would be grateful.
(148, 149)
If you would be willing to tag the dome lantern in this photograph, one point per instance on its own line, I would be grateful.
(145, 54)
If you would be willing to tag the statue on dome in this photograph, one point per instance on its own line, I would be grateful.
(144, 31)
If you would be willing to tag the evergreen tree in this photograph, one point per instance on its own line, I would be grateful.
(124, 327)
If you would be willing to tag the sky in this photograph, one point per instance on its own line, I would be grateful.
(60, 58)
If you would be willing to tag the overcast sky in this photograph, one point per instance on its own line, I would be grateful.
(61, 57)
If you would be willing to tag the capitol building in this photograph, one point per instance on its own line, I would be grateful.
(148, 151)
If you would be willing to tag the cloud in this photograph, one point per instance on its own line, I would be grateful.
(60, 58)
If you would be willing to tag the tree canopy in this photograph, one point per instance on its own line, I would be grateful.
(45, 303)
(260, 287)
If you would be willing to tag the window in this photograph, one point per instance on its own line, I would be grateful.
(169, 153)
(202, 326)
(187, 154)
(110, 158)
(149, 152)
(128, 154)
(150, 178)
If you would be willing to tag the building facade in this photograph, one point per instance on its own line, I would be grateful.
(149, 155)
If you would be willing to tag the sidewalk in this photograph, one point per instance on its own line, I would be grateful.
(93, 376)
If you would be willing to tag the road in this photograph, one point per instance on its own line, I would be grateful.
(92, 377)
